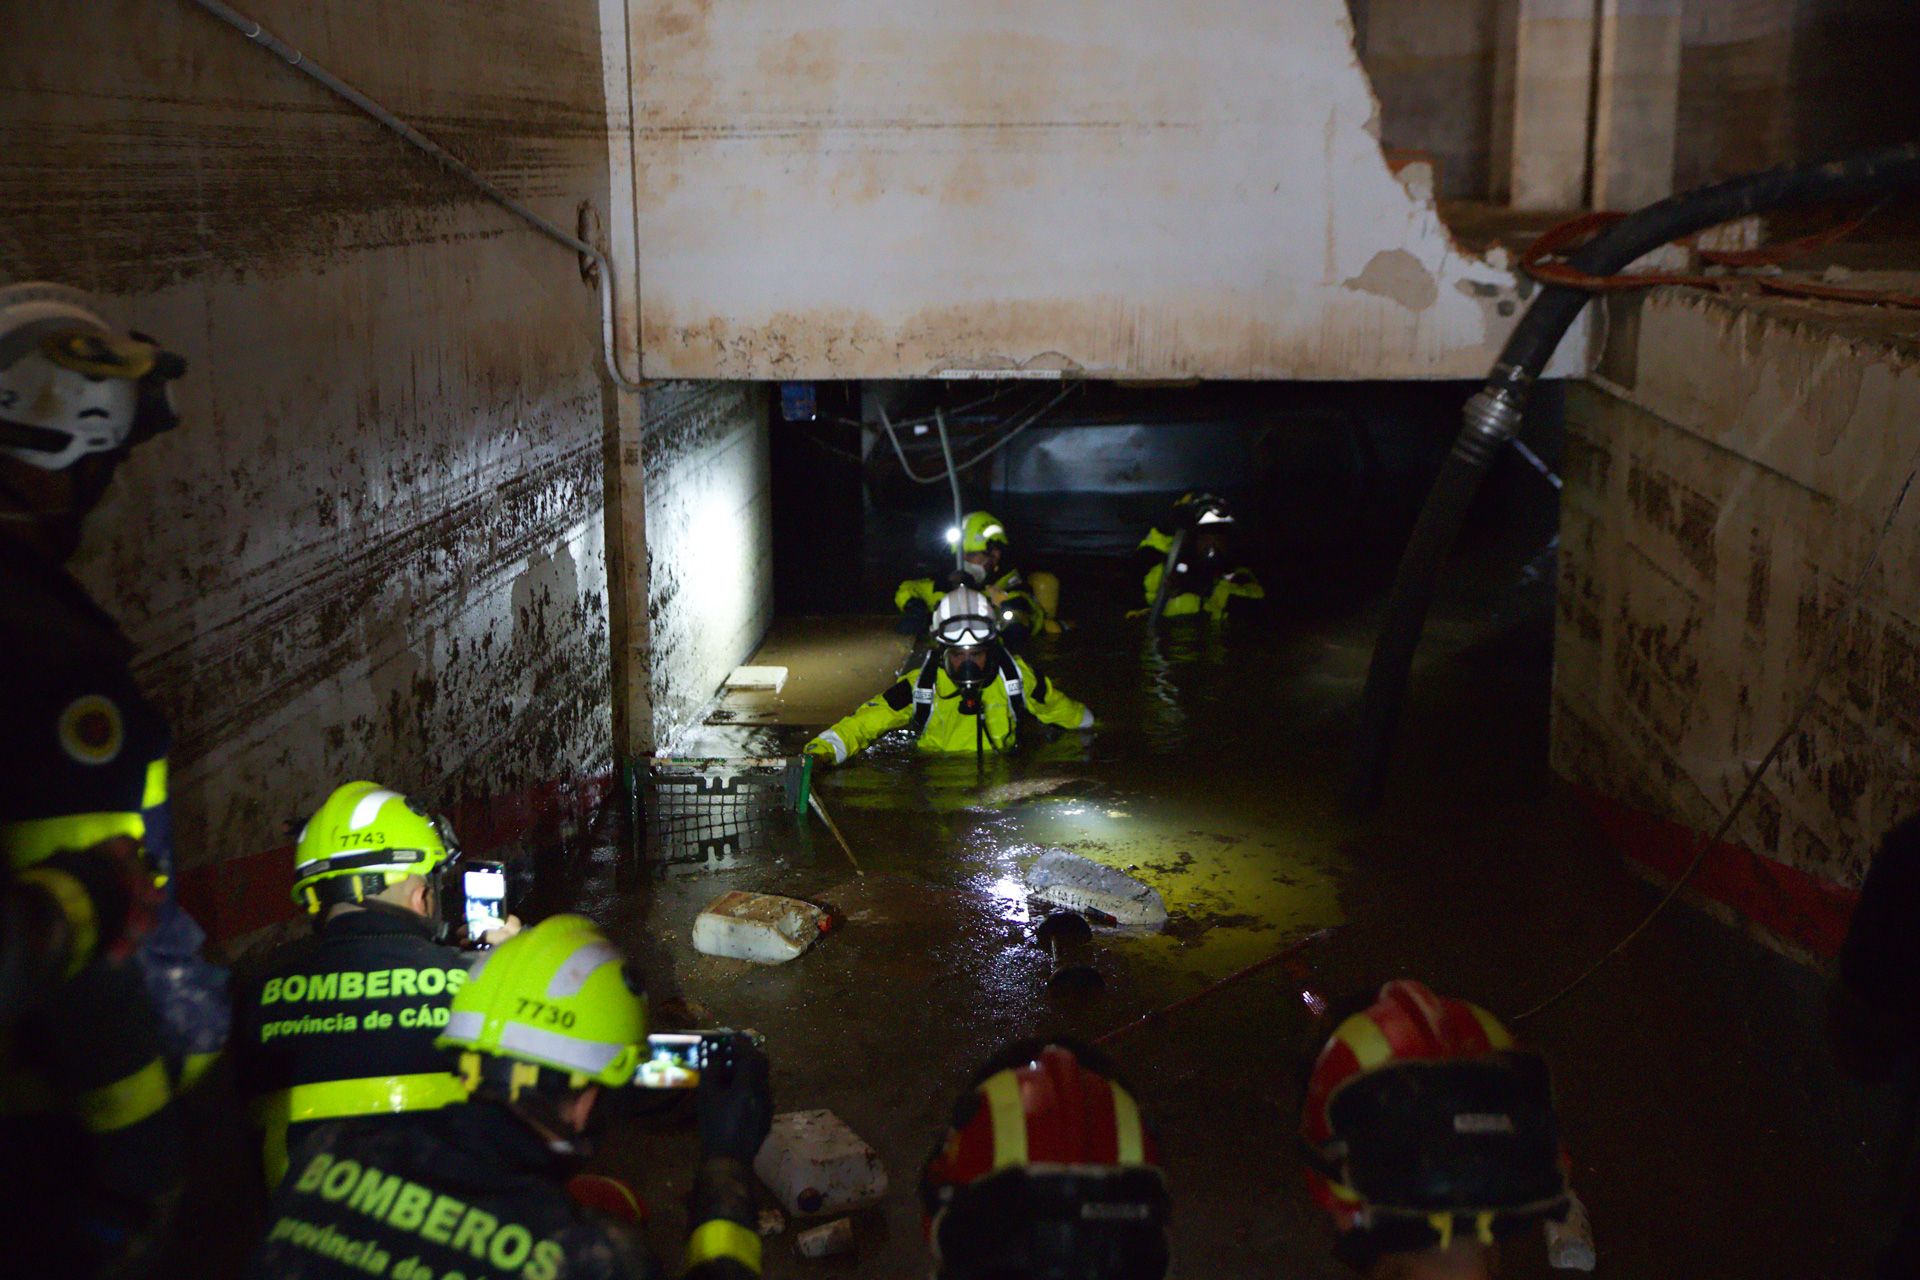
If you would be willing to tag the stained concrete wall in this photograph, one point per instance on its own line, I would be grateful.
(375, 548)
(1768, 81)
(1728, 477)
(1432, 66)
(709, 503)
(1140, 188)
(1762, 82)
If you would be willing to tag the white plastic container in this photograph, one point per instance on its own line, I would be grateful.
(1080, 884)
(1570, 1243)
(761, 927)
(825, 1241)
(815, 1165)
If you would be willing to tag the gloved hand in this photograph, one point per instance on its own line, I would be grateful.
(735, 1108)
(126, 902)
(504, 930)
(915, 616)
(821, 752)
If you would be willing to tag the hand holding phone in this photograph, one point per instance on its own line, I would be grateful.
(485, 888)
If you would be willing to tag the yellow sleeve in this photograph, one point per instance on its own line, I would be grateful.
(1240, 582)
(854, 733)
(1048, 704)
(1152, 582)
(921, 589)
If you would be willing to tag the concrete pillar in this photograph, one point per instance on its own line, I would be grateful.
(1543, 99)
(1636, 102)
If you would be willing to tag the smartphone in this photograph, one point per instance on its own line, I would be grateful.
(485, 887)
(677, 1059)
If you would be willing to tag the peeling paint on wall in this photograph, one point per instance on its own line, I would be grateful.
(375, 547)
(1715, 515)
(838, 189)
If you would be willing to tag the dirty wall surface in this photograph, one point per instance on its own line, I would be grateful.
(375, 548)
(709, 503)
(1154, 188)
(1727, 478)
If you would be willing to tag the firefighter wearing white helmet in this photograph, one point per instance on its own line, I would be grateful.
(94, 1168)
(967, 696)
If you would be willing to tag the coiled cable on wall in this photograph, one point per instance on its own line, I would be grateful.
(453, 164)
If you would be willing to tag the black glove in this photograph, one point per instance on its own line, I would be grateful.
(914, 618)
(735, 1106)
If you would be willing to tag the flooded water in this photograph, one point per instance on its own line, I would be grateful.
(1214, 776)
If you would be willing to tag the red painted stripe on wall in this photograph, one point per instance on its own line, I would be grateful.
(238, 895)
(1784, 900)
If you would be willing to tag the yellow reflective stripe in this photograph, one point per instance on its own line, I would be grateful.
(377, 1095)
(127, 1101)
(337, 1099)
(1009, 1120)
(1497, 1035)
(156, 793)
(192, 1067)
(721, 1238)
(1368, 1042)
(34, 840)
(76, 905)
(1127, 1134)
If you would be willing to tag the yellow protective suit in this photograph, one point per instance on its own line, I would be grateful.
(1020, 609)
(948, 729)
(1226, 588)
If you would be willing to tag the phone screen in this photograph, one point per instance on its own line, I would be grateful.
(673, 1061)
(486, 893)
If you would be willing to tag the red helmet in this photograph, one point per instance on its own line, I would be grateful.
(1048, 1172)
(1421, 1119)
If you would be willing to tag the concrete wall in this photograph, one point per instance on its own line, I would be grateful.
(1767, 81)
(1432, 66)
(1139, 188)
(709, 542)
(1726, 481)
(375, 548)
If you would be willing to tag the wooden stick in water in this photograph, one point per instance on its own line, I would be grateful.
(813, 798)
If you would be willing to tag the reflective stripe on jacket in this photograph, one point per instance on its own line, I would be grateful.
(948, 729)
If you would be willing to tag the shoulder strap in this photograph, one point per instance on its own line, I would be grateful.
(923, 692)
(1016, 688)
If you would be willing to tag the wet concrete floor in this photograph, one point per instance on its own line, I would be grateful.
(1710, 1134)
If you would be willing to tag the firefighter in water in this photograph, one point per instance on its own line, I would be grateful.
(549, 1020)
(1047, 1173)
(1023, 608)
(966, 697)
(341, 1024)
(1430, 1138)
(1187, 562)
(90, 1148)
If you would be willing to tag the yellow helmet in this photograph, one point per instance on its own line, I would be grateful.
(365, 838)
(979, 531)
(556, 996)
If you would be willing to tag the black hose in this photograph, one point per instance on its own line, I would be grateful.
(1492, 416)
(1164, 591)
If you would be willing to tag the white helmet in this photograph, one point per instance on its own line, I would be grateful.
(69, 385)
(964, 618)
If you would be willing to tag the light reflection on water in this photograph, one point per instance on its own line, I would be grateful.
(1190, 783)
